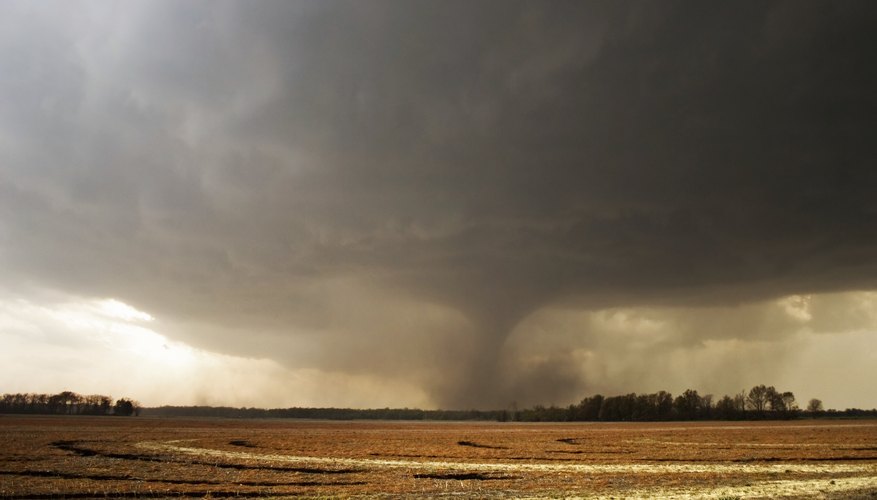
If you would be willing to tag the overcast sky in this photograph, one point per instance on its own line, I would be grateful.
(439, 204)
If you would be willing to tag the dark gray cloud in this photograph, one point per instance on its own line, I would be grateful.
(398, 185)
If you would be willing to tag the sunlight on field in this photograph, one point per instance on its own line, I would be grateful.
(819, 488)
(519, 467)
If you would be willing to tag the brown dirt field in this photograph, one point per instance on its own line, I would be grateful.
(84, 457)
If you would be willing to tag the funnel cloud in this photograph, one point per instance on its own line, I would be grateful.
(447, 204)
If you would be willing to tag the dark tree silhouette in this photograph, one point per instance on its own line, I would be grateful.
(664, 403)
(688, 405)
(762, 402)
(757, 399)
(726, 409)
(124, 407)
(63, 403)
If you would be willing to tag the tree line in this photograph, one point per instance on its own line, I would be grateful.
(760, 402)
(323, 413)
(68, 403)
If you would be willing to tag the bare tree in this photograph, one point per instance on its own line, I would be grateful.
(814, 406)
(775, 400)
(740, 401)
(789, 401)
(757, 398)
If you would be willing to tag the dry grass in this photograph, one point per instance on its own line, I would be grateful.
(79, 457)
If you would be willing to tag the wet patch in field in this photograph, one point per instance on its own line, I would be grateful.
(479, 445)
(242, 443)
(75, 448)
(591, 452)
(462, 476)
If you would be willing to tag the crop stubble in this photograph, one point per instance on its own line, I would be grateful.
(47, 457)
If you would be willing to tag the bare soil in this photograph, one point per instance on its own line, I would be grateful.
(84, 457)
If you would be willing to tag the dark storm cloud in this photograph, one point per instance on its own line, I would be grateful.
(279, 170)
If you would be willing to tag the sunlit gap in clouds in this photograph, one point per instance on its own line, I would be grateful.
(106, 345)
(120, 327)
(109, 347)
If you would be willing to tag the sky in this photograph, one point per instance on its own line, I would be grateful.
(433, 204)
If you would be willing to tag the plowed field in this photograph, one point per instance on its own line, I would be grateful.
(83, 457)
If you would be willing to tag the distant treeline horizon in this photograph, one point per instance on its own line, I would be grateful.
(67, 403)
(760, 403)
